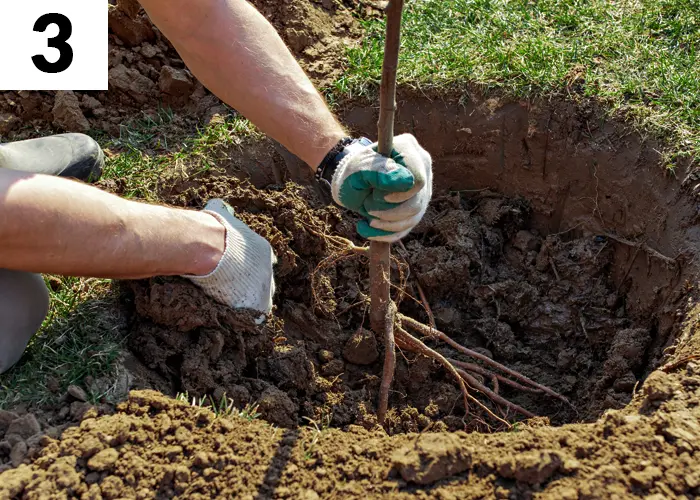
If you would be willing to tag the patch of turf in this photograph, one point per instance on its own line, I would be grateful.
(641, 58)
(150, 147)
(81, 337)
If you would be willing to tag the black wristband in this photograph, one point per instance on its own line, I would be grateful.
(326, 170)
(328, 165)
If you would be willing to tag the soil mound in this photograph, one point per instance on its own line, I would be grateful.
(157, 447)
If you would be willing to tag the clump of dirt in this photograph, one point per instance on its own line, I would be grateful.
(544, 306)
(23, 434)
(146, 74)
(157, 447)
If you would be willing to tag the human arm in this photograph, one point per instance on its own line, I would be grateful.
(238, 55)
(232, 49)
(57, 226)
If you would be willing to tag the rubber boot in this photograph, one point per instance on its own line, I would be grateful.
(64, 155)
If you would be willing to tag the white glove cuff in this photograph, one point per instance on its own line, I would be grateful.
(234, 281)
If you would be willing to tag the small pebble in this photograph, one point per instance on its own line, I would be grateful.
(77, 393)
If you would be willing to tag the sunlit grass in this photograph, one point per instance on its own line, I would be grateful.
(638, 58)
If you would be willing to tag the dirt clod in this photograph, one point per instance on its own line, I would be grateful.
(276, 407)
(25, 426)
(533, 467)
(130, 7)
(18, 453)
(6, 418)
(332, 368)
(129, 82)
(77, 393)
(130, 31)
(361, 348)
(175, 82)
(433, 457)
(647, 477)
(103, 460)
(658, 386)
(67, 114)
(78, 409)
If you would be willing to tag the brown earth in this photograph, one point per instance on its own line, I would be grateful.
(156, 447)
(556, 245)
(520, 294)
(495, 280)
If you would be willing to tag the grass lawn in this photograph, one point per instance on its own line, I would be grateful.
(641, 59)
(79, 338)
(638, 58)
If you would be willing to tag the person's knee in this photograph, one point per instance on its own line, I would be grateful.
(24, 303)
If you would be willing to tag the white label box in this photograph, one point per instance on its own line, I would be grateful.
(53, 44)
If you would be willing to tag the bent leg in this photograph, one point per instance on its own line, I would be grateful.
(24, 302)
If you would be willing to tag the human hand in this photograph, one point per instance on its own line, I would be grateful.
(392, 194)
(243, 278)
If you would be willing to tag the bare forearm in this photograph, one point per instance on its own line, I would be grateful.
(53, 225)
(238, 55)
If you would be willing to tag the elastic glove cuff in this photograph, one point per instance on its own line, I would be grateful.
(245, 264)
(326, 170)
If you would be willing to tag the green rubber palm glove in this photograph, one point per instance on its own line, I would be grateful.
(392, 194)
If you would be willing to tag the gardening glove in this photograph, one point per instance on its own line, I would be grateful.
(243, 278)
(392, 194)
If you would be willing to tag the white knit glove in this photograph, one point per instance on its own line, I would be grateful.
(392, 194)
(243, 278)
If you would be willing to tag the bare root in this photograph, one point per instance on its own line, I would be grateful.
(467, 375)
(438, 335)
(493, 396)
(408, 342)
(649, 251)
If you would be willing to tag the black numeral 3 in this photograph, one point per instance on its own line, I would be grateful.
(65, 30)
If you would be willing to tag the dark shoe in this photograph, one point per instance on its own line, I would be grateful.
(65, 155)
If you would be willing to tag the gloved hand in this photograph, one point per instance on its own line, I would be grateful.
(391, 193)
(243, 278)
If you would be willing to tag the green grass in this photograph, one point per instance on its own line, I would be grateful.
(309, 444)
(149, 147)
(225, 407)
(639, 58)
(81, 337)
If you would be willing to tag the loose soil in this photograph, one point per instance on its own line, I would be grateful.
(545, 306)
(158, 447)
(556, 306)
(554, 244)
